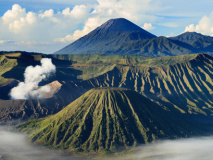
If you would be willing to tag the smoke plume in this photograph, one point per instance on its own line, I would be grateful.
(32, 77)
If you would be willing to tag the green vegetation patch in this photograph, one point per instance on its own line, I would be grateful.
(107, 119)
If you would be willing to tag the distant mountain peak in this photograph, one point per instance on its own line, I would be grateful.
(186, 36)
(120, 25)
(107, 36)
(194, 33)
(201, 43)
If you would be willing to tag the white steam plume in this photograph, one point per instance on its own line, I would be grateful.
(32, 77)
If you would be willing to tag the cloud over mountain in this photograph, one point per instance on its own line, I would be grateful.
(71, 23)
(204, 26)
(58, 24)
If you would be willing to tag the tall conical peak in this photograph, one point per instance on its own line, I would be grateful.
(120, 24)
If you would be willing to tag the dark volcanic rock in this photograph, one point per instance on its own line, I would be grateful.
(11, 110)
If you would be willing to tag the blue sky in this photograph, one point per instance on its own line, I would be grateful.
(48, 25)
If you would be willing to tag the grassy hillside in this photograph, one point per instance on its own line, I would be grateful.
(6, 65)
(185, 86)
(201, 42)
(93, 65)
(77, 67)
(181, 83)
(19, 61)
(69, 67)
(107, 119)
(97, 57)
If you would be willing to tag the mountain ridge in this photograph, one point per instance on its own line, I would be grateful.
(120, 36)
(189, 80)
(162, 79)
(202, 43)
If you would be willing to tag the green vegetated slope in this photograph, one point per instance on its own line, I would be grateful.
(156, 47)
(79, 67)
(68, 67)
(18, 62)
(93, 65)
(200, 42)
(6, 65)
(98, 57)
(182, 83)
(12, 65)
(107, 119)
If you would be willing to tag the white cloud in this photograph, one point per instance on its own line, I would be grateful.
(48, 13)
(67, 25)
(17, 18)
(77, 11)
(148, 26)
(90, 24)
(20, 25)
(205, 26)
(68, 38)
(14, 14)
(134, 10)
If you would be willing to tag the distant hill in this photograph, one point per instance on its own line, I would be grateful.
(106, 119)
(120, 36)
(156, 47)
(106, 37)
(200, 42)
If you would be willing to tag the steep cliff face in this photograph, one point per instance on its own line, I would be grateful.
(181, 83)
(186, 87)
(107, 119)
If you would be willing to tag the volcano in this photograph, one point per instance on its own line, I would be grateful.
(107, 119)
(107, 36)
